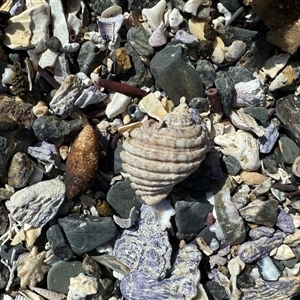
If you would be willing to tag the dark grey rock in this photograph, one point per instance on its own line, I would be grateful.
(201, 104)
(258, 113)
(4, 276)
(121, 196)
(206, 234)
(117, 161)
(231, 5)
(270, 164)
(216, 291)
(54, 129)
(53, 44)
(230, 165)
(3, 144)
(267, 214)
(175, 75)
(290, 263)
(58, 243)
(140, 4)
(138, 37)
(190, 218)
(287, 112)
(236, 16)
(59, 275)
(245, 281)
(225, 87)
(89, 57)
(206, 72)
(230, 221)
(228, 34)
(285, 222)
(239, 73)
(205, 49)
(85, 233)
(289, 149)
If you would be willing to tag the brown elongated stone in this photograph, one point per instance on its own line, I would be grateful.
(82, 161)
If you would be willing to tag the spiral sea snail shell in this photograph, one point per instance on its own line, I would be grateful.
(158, 155)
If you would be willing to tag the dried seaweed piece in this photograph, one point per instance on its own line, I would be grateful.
(82, 161)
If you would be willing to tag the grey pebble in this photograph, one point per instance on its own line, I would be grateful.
(239, 73)
(230, 165)
(174, 75)
(120, 191)
(287, 111)
(289, 149)
(55, 129)
(236, 16)
(258, 113)
(138, 37)
(58, 243)
(290, 263)
(53, 44)
(231, 5)
(201, 104)
(85, 233)
(190, 218)
(206, 72)
(59, 275)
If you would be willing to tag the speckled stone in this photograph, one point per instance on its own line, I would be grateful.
(174, 75)
(85, 233)
(89, 57)
(58, 243)
(189, 227)
(53, 44)
(230, 165)
(239, 73)
(289, 149)
(20, 171)
(55, 129)
(59, 275)
(225, 87)
(258, 113)
(287, 111)
(138, 37)
(120, 191)
(202, 104)
(206, 72)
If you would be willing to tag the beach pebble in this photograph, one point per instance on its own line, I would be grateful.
(267, 269)
(167, 65)
(239, 73)
(252, 178)
(289, 149)
(58, 243)
(85, 233)
(285, 222)
(123, 190)
(230, 165)
(59, 275)
(159, 36)
(258, 113)
(138, 37)
(189, 39)
(261, 231)
(231, 5)
(253, 250)
(188, 228)
(284, 252)
(55, 129)
(206, 72)
(20, 171)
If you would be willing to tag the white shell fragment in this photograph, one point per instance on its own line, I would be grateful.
(191, 6)
(48, 59)
(234, 51)
(154, 15)
(37, 204)
(118, 104)
(275, 63)
(285, 78)
(175, 19)
(8, 76)
(25, 30)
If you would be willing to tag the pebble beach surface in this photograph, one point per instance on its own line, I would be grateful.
(149, 150)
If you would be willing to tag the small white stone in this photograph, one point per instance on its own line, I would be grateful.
(8, 76)
(117, 105)
(234, 51)
(284, 252)
(293, 239)
(175, 19)
(217, 56)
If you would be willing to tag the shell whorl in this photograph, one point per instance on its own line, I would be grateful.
(158, 155)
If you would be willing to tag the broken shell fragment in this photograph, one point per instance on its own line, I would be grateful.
(154, 15)
(234, 51)
(285, 78)
(159, 155)
(40, 109)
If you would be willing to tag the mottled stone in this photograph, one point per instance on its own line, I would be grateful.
(201, 104)
(239, 73)
(58, 243)
(228, 216)
(85, 233)
(287, 110)
(228, 34)
(261, 231)
(206, 72)
(59, 275)
(217, 291)
(258, 113)
(190, 218)
(289, 149)
(55, 129)
(285, 222)
(20, 171)
(175, 75)
(89, 57)
(230, 165)
(53, 44)
(253, 250)
(120, 191)
(225, 87)
(138, 37)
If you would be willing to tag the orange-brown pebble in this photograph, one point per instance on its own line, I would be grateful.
(252, 178)
(82, 162)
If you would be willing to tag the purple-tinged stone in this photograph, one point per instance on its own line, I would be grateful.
(182, 284)
(184, 37)
(109, 27)
(253, 250)
(206, 72)
(268, 140)
(261, 231)
(231, 223)
(226, 90)
(285, 222)
(90, 95)
(159, 36)
(287, 111)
